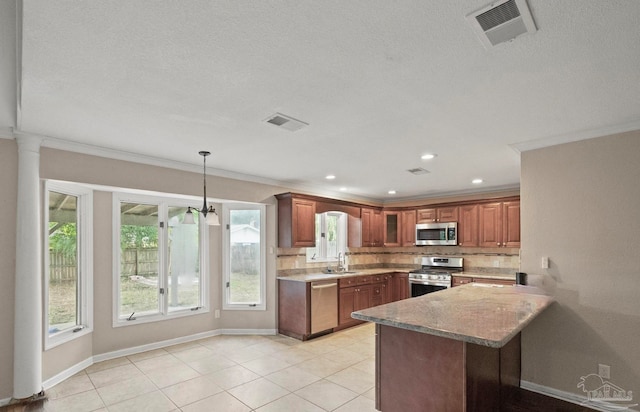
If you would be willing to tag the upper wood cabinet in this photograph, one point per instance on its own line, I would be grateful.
(371, 227)
(408, 234)
(499, 224)
(296, 222)
(511, 224)
(484, 223)
(439, 214)
(468, 226)
(392, 228)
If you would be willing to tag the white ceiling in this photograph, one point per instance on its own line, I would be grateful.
(379, 82)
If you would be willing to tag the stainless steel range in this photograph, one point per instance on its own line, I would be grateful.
(434, 275)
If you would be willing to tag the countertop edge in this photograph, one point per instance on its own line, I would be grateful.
(478, 340)
(313, 277)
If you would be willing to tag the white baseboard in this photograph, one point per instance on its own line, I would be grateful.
(4, 402)
(49, 383)
(65, 374)
(573, 398)
(248, 331)
(155, 345)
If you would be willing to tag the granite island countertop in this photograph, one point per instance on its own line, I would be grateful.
(488, 315)
(314, 277)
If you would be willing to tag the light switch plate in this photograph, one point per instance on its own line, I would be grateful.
(544, 264)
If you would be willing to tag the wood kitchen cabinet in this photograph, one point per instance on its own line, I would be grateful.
(382, 289)
(294, 301)
(499, 224)
(408, 233)
(371, 227)
(463, 280)
(392, 228)
(511, 224)
(354, 294)
(506, 282)
(400, 289)
(440, 214)
(460, 280)
(468, 226)
(296, 222)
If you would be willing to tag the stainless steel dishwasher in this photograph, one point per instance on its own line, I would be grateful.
(324, 305)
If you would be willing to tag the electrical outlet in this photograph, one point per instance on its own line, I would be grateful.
(496, 263)
(604, 371)
(217, 313)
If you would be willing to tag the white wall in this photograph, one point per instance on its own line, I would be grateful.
(581, 208)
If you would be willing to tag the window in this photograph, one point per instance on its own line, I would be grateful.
(244, 257)
(67, 262)
(331, 237)
(160, 268)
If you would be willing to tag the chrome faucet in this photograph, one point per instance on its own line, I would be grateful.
(340, 266)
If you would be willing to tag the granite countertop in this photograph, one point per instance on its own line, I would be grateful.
(313, 277)
(489, 315)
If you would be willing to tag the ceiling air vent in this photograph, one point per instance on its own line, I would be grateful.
(502, 21)
(286, 122)
(418, 171)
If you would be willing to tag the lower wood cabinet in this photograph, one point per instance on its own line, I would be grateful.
(354, 293)
(294, 309)
(362, 292)
(463, 280)
(400, 289)
(352, 299)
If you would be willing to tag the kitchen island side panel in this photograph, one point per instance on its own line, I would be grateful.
(422, 372)
(418, 371)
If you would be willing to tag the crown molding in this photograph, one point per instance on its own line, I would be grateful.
(575, 136)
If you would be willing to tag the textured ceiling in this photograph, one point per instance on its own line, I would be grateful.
(379, 83)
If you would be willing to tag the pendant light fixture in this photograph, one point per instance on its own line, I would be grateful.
(207, 211)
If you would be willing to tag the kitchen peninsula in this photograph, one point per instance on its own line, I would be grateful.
(457, 349)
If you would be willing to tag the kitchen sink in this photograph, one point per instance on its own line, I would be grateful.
(335, 272)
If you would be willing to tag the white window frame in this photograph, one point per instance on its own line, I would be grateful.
(163, 313)
(84, 232)
(320, 254)
(226, 263)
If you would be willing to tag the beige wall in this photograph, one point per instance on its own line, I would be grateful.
(581, 208)
(74, 167)
(8, 203)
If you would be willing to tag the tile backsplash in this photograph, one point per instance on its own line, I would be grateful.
(483, 260)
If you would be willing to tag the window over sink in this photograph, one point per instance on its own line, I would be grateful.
(331, 237)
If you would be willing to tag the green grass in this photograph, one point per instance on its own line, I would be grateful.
(141, 298)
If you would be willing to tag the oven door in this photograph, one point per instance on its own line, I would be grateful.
(420, 288)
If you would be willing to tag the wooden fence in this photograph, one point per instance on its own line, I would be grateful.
(144, 262)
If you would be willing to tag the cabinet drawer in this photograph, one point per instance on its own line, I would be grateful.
(347, 282)
(363, 280)
(460, 280)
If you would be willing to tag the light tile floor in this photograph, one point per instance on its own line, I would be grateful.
(230, 373)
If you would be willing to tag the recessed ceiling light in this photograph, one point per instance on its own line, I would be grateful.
(477, 181)
(428, 156)
(392, 192)
(343, 189)
(330, 177)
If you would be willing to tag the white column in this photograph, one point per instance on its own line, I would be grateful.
(27, 347)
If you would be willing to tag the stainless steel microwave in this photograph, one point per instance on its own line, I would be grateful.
(437, 234)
